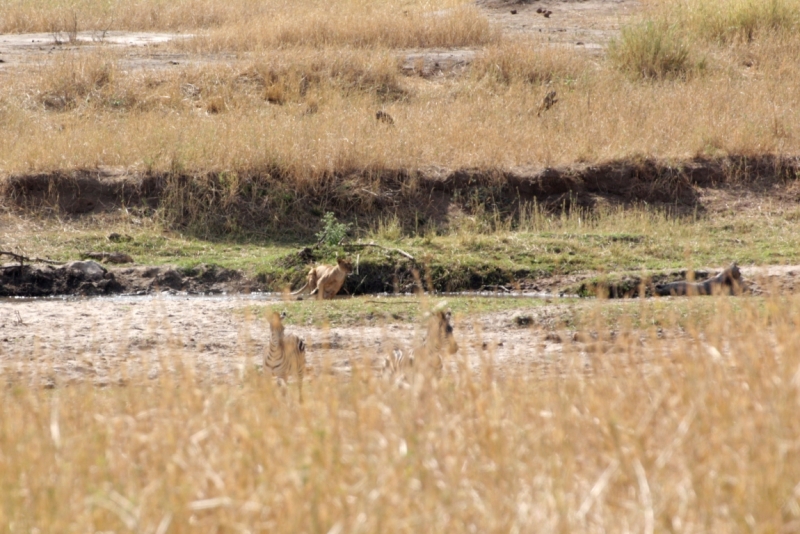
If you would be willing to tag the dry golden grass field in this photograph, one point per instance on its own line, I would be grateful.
(559, 147)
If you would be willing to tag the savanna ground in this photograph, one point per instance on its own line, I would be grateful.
(223, 134)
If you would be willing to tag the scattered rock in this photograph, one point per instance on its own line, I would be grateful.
(90, 270)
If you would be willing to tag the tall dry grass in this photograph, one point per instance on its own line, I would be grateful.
(681, 420)
(310, 112)
(243, 25)
(678, 38)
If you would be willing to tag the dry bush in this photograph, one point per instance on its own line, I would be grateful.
(675, 39)
(635, 430)
(651, 50)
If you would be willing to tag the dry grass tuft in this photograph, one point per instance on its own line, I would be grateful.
(528, 61)
(651, 50)
(73, 81)
(351, 24)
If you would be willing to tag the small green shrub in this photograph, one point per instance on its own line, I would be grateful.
(333, 232)
(651, 50)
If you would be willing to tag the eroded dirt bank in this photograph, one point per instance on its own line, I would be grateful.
(40, 280)
(72, 279)
(214, 202)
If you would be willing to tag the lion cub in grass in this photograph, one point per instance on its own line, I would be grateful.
(326, 280)
(728, 282)
(438, 340)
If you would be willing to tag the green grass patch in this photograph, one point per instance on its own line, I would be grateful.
(634, 240)
(369, 310)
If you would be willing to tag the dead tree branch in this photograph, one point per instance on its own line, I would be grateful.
(22, 259)
(365, 245)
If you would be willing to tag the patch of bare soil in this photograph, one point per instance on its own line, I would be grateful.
(583, 24)
(22, 51)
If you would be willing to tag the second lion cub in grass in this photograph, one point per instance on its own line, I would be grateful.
(326, 280)
(439, 340)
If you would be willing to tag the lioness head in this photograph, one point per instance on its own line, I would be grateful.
(345, 265)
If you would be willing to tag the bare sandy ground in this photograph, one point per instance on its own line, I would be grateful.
(105, 339)
(587, 24)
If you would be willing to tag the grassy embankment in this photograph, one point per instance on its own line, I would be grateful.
(478, 253)
(291, 114)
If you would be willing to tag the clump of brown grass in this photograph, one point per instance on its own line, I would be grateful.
(93, 81)
(527, 61)
(22, 16)
(75, 80)
(643, 428)
(651, 50)
(295, 74)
